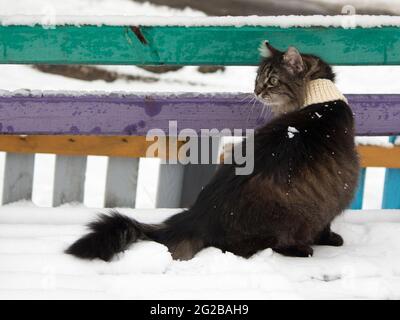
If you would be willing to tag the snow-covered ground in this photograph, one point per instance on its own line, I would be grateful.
(32, 264)
(32, 236)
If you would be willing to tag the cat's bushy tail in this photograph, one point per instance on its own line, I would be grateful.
(113, 233)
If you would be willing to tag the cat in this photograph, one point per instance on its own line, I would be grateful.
(305, 174)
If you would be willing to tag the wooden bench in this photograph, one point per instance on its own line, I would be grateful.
(74, 125)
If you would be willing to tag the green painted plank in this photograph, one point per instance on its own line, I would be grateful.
(222, 45)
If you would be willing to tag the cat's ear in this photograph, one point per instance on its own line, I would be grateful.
(293, 61)
(266, 50)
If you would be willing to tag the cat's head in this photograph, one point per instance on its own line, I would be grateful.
(282, 77)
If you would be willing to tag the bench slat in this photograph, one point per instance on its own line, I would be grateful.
(223, 45)
(121, 183)
(391, 190)
(77, 145)
(136, 146)
(69, 179)
(169, 188)
(136, 114)
(196, 176)
(375, 156)
(18, 177)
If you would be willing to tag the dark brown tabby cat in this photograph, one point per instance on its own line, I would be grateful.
(305, 174)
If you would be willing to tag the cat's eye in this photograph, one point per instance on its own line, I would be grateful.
(273, 81)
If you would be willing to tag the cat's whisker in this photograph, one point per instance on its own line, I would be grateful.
(261, 116)
(251, 100)
(254, 100)
(247, 96)
(263, 103)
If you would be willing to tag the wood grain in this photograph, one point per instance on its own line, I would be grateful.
(18, 177)
(113, 146)
(69, 179)
(375, 156)
(136, 146)
(181, 45)
(138, 114)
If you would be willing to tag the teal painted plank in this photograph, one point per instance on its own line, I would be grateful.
(359, 196)
(222, 45)
(391, 190)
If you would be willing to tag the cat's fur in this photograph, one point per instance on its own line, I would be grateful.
(299, 184)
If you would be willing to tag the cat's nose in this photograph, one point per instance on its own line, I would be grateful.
(257, 91)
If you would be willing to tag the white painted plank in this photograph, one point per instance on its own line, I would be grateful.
(121, 182)
(196, 176)
(18, 177)
(169, 185)
(179, 185)
(69, 179)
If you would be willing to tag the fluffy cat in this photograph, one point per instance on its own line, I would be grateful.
(305, 174)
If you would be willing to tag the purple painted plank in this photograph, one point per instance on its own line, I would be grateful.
(135, 114)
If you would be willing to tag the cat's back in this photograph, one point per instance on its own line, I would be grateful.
(307, 162)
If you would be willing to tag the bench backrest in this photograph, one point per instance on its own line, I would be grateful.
(115, 124)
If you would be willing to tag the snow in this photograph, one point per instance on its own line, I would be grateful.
(291, 132)
(374, 141)
(126, 12)
(344, 21)
(119, 94)
(33, 266)
(187, 79)
(51, 8)
(363, 21)
(388, 5)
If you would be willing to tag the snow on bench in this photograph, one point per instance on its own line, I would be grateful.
(290, 21)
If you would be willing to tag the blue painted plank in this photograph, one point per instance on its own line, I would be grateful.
(358, 198)
(391, 191)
